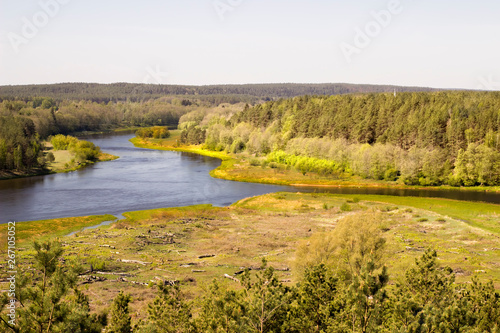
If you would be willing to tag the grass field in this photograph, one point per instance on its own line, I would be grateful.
(196, 244)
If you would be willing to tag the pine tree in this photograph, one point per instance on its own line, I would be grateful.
(44, 299)
(169, 312)
(120, 318)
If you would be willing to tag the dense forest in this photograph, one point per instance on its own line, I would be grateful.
(344, 287)
(417, 138)
(214, 94)
(63, 117)
(20, 146)
(24, 122)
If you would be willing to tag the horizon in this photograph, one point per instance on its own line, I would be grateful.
(235, 42)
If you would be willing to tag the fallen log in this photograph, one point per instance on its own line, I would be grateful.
(113, 273)
(134, 261)
(227, 276)
(206, 256)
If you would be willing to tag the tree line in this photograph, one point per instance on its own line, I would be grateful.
(53, 117)
(215, 94)
(421, 138)
(344, 286)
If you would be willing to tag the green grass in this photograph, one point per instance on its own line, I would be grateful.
(476, 214)
(44, 229)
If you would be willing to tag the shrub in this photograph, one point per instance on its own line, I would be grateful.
(50, 157)
(345, 207)
(157, 132)
(63, 142)
(97, 264)
(254, 162)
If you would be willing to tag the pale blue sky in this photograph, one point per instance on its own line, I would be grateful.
(447, 44)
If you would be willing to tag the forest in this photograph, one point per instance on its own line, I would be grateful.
(25, 123)
(214, 94)
(417, 138)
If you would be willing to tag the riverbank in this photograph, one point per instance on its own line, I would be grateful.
(196, 244)
(244, 168)
(64, 161)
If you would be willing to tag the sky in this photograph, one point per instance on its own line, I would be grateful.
(441, 44)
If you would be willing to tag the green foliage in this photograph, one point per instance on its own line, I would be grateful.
(80, 320)
(267, 301)
(20, 147)
(193, 135)
(156, 132)
(306, 164)
(345, 207)
(317, 301)
(63, 142)
(213, 94)
(120, 321)
(169, 312)
(97, 264)
(44, 300)
(355, 240)
(50, 157)
(347, 293)
(425, 139)
(222, 310)
(419, 301)
(478, 165)
(84, 151)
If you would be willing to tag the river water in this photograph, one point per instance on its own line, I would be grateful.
(145, 179)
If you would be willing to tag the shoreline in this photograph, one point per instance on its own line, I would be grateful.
(103, 157)
(227, 171)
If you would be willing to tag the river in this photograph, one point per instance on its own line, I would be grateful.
(145, 179)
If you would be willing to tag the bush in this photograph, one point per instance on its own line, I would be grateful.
(85, 151)
(345, 207)
(254, 162)
(97, 264)
(50, 157)
(157, 132)
(63, 142)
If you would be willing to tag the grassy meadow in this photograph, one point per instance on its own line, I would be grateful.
(194, 245)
